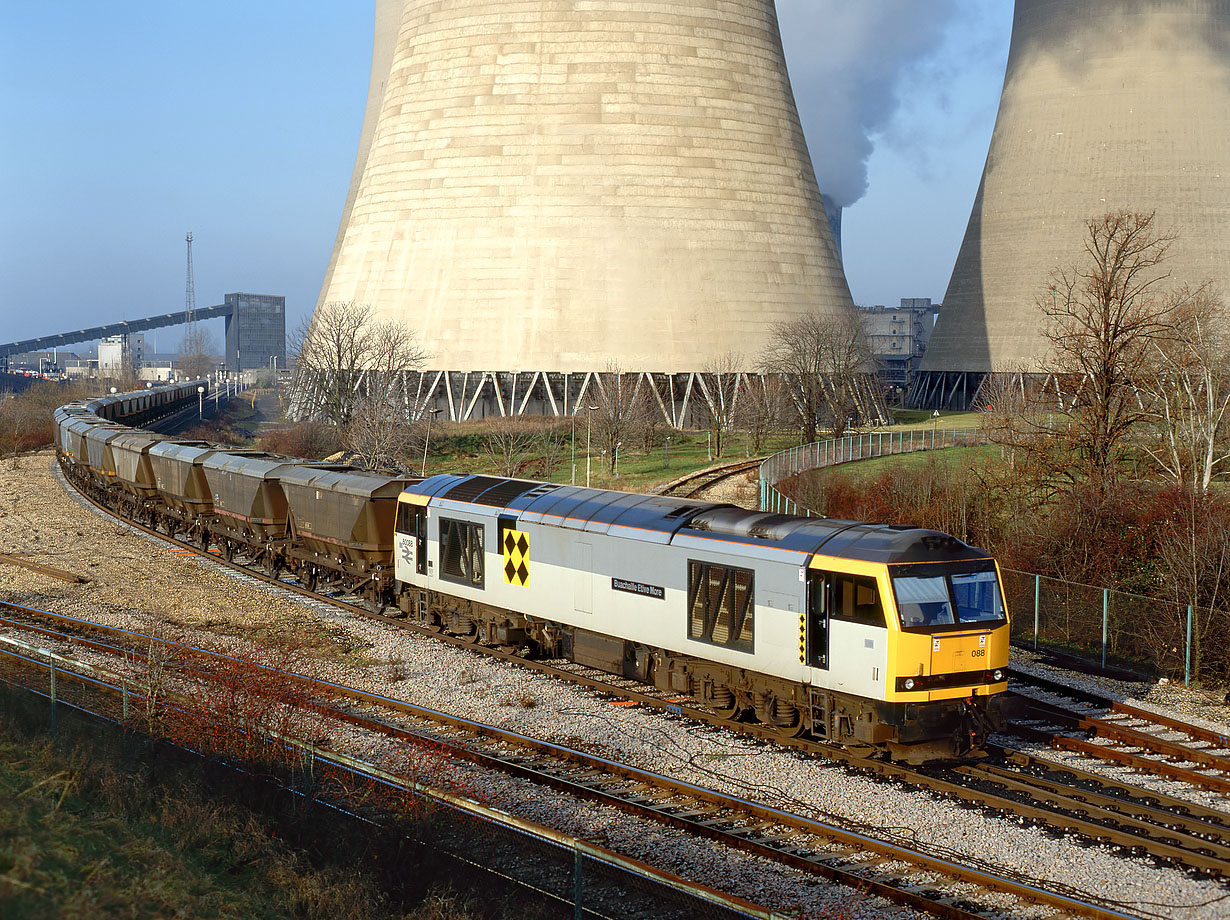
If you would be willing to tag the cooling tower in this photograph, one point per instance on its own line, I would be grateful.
(554, 186)
(1107, 105)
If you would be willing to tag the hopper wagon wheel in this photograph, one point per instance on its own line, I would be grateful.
(308, 576)
(271, 563)
(202, 537)
(228, 550)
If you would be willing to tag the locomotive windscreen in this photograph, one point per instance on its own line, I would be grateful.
(947, 595)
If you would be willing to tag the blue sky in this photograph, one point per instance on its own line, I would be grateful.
(125, 125)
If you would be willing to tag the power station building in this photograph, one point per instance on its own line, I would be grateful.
(544, 190)
(1107, 105)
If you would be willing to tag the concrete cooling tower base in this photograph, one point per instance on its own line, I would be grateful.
(555, 189)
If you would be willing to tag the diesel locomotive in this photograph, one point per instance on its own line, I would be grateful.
(872, 636)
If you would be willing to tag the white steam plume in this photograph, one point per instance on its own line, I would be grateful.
(847, 59)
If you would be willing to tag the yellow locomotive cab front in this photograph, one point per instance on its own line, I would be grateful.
(949, 632)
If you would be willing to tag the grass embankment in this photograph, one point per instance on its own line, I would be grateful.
(79, 838)
(954, 458)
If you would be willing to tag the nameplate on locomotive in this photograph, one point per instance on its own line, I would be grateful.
(635, 587)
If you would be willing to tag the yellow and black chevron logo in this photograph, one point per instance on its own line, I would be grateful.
(516, 551)
(802, 638)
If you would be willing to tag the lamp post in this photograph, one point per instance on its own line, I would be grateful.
(615, 458)
(427, 440)
(200, 403)
(588, 410)
(668, 451)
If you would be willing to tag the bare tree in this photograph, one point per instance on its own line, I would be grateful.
(1103, 318)
(763, 408)
(551, 440)
(509, 442)
(196, 351)
(346, 357)
(621, 403)
(720, 382)
(825, 361)
(1190, 393)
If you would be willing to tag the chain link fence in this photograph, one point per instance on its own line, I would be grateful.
(545, 873)
(1143, 635)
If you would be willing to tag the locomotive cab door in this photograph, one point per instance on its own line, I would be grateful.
(420, 540)
(817, 640)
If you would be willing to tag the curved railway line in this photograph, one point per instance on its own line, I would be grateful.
(906, 875)
(692, 485)
(1069, 719)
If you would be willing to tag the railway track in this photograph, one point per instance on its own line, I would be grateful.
(936, 882)
(1080, 804)
(693, 485)
(1113, 731)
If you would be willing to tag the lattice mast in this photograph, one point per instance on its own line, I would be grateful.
(190, 294)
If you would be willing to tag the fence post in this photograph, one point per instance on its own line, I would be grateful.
(1106, 608)
(1187, 665)
(1037, 597)
(124, 692)
(51, 669)
(578, 910)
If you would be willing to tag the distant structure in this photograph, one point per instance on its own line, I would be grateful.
(121, 356)
(255, 332)
(1107, 105)
(898, 338)
(548, 190)
(190, 291)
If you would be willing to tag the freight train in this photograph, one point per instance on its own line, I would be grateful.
(876, 637)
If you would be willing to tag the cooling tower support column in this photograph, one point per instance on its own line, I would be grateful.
(1107, 105)
(565, 187)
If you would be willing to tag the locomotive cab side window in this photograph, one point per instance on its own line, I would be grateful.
(720, 605)
(856, 599)
(461, 552)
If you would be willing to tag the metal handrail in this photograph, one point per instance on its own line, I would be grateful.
(820, 454)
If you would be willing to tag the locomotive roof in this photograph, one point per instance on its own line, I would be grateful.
(586, 509)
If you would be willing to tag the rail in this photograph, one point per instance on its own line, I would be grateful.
(820, 454)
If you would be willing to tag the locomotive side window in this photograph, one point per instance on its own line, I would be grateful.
(856, 600)
(461, 552)
(720, 605)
